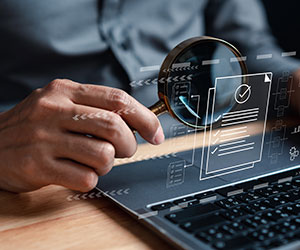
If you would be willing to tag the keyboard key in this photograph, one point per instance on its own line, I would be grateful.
(213, 234)
(249, 185)
(228, 203)
(204, 237)
(249, 209)
(275, 215)
(296, 181)
(229, 191)
(275, 177)
(248, 197)
(227, 229)
(296, 208)
(237, 227)
(200, 223)
(292, 209)
(263, 234)
(183, 200)
(188, 204)
(255, 221)
(296, 221)
(293, 195)
(285, 187)
(255, 207)
(233, 213)
(191, 212)
(205, 195)
(162, 206)
(239, 242)
(285, 227)
(274, 201)
(192, 203)
(268, 191)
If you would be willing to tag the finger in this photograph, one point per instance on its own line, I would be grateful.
(105, 125)
(73, 175)
(91, 152)
(134, 113)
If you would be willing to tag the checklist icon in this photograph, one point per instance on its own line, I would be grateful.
(176, 173)
(231, 147)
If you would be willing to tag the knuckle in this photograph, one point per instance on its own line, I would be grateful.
(39, 135)
(41, 108)
(58, 84)
(37, 92)
(55, 84)
(113, 124)
(83, 88)
(88, 181)
(104, 171)
(31, 168)
(80, 90)
(107, 154)
(61, 86)
(44, 103)
(44, 107)
(132, 150)
(119, 98)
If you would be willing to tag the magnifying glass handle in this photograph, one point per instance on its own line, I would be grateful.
(158, 108)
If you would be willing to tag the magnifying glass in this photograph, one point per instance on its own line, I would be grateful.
(187, 79)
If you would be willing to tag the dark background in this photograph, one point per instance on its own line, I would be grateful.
(284, 19)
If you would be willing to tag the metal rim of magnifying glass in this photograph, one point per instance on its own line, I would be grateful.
(163, 105)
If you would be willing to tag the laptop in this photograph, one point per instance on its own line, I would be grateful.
(235, 186)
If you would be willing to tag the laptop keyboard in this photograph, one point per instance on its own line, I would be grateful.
(260, 214)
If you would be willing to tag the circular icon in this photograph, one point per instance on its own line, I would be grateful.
(294, 153)
(242, 93)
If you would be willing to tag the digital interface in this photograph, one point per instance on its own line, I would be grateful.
(246, 133)
(227, 125)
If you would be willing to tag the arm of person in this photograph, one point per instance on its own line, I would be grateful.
(44, 138)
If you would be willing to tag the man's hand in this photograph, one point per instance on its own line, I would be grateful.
(41, 142)
(295, 102)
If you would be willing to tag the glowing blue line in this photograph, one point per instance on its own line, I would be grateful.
(184, 101)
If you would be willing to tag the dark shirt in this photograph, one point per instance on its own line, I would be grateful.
(106, 42)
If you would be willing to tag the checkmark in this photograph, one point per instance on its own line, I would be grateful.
(217, 133)
(214, 151)
(218, 118)
(245, 92)
(215, 141)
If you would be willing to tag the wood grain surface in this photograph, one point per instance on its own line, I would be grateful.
(48, 219)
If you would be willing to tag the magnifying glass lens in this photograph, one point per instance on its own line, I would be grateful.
(192, 76)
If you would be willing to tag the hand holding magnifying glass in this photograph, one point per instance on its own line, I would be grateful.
(189, 72)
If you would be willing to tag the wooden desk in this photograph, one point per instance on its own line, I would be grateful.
(46, 219)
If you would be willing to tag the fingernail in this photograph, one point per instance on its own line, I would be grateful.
(159, 136)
